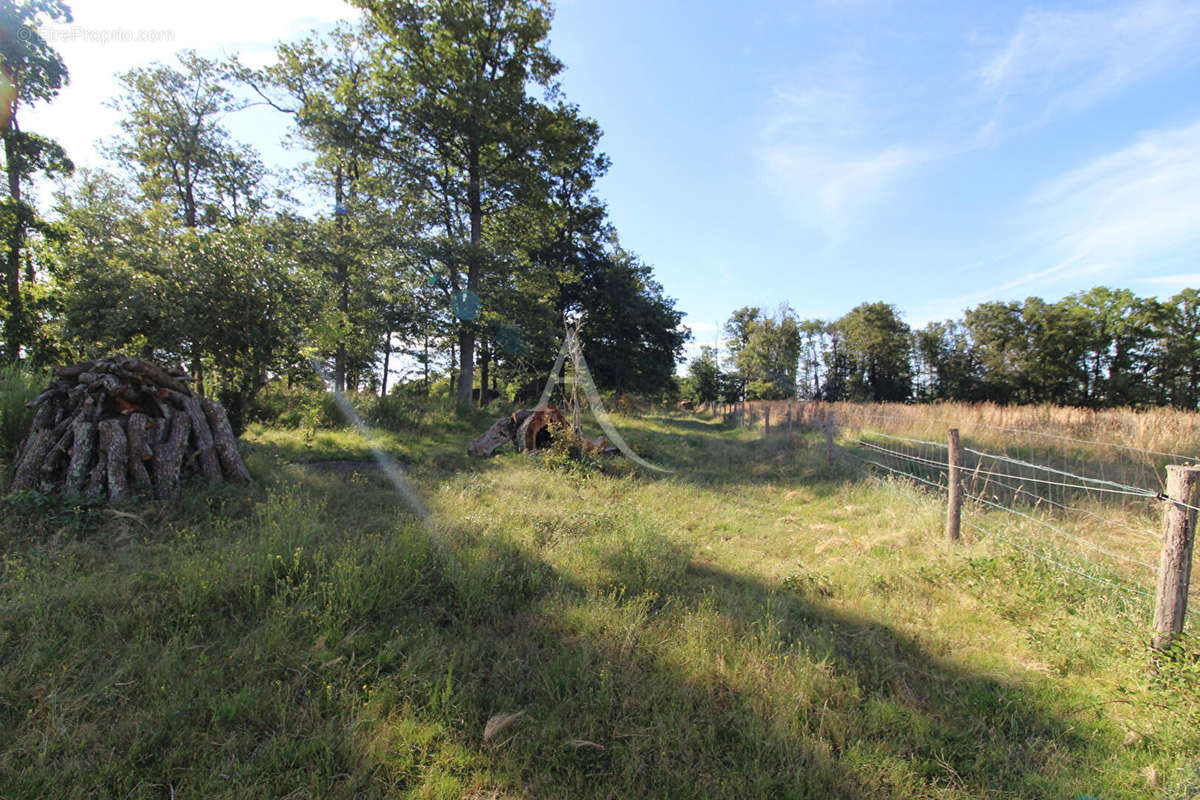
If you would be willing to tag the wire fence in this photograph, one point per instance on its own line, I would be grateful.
(1076, 522)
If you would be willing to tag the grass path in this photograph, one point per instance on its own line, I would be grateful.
(754, 624)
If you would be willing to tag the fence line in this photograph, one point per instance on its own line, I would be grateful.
(976, 471)
(1060, 531)
(1016, 490)
(892, 486)
(984, 501)
(1030, 432)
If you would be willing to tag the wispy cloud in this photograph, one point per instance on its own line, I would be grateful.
(818, 154)
(1124, 214)
(1059, 61)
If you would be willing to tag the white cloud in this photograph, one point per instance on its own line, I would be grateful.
(1067, 60)
(1133, 211)
(818, 154)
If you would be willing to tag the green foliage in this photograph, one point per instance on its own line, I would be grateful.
(31, 71)
(765, 351)
(17, 386)
(177, 148)
(872, 359)
(705, 377)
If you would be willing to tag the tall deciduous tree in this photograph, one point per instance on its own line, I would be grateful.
(766, 351)
(458, 73)
(876, 344)
(176, 147)
(33, 72)
(180, 154)
(330, 85)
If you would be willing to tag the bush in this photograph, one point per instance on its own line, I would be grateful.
(16, 388)
(314, 409)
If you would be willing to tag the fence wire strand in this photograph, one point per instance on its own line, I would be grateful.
(1017, 490)
(975, 471)
(1033, 432)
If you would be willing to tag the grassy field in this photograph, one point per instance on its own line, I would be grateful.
(754, 624)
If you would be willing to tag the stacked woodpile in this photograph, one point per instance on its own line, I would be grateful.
(116, 427)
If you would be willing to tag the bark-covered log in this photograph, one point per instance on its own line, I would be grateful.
(96, 478)
(157, 376)
(43, 417)
(116, 454)
(206, 454)
(55, 458)
(169, 456)
(501, 433)
(74, 370)
(30, 465)
(225, 442)
(57, 389)
(83, 448)
(140, 451)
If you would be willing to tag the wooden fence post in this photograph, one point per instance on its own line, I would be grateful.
(789, 421)
(954, 506)
(1175, 567)
(766, 422)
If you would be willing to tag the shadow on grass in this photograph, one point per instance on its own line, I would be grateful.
(709, 684)
(323, 652)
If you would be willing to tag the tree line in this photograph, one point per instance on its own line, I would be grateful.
(447, 218)
(1100, 348)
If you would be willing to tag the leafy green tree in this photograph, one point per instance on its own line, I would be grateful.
(1116, 359)
(765, 350)
(32, 72)
(946, 350)
(813, 341)
(458, 74)
(876, 348)
(128, 279)
(181, 156)
(632, 335)
(178, 151)
(1178, 329)
(705, 377)
(329, 85)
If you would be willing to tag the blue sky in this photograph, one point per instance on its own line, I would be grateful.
(826, 153)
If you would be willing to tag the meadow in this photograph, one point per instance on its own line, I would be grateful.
(755, 623)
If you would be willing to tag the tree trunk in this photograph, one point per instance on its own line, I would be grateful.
(387, 356)
(342, 277)
(13, 328)
(484, 357)
(466, 337)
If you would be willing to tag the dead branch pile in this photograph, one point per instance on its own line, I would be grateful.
(531, 430)
(115, 427)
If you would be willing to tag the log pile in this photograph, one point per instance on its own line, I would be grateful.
(118, 427)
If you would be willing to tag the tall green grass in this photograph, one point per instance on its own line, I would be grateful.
(754, 624)
(17, 386)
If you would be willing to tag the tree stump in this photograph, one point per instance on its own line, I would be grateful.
(118, 427)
